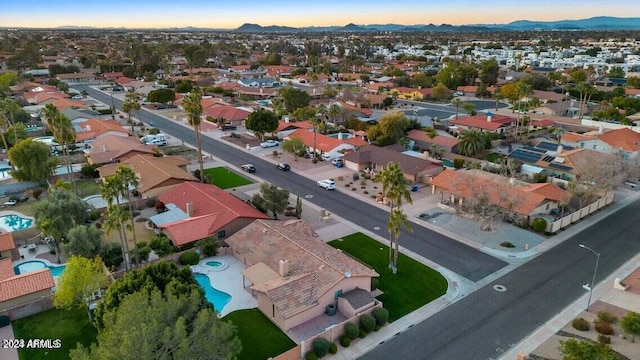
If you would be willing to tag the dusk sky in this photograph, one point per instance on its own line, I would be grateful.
(230, 14)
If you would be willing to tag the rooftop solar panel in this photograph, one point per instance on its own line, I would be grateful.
(552, 146)
(525, 156)
(560, 167)
(537, 150)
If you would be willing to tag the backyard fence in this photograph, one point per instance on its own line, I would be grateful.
(555, 226)
(27, 309)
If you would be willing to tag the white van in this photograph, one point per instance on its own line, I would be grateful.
(156, 139)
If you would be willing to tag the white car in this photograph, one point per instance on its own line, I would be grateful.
(269, 143)
(327, 184)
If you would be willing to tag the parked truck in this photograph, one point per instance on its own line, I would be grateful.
(157, 139)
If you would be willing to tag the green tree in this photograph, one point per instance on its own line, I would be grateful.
(16, 133)
(573, 349)
(471, 142)
(294, 98)
(84, 240)
(390, 128)
(131, 103)
(162, 96)
(272, 198)
(631, 324)
(31, 160)
(489, 71)
(557, 133)
(174, 327)
(586, 91)
(440, 92)
(421, 80)
(261, 122)
(111, 254)
(616, 72)
(397, 219)
(111, 190)
(456, 102)
(578, 75)
(81, 277)
(127, 181)
(183, 87)
(294, 146)
(10, 109)
(469, 108)
(64, 134)
(192, 104)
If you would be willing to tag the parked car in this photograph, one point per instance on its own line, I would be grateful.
(248, 168)
(10, 203)
(228, 127)
(327, 184)
(337, 162)
(283, 166)
(269, 143)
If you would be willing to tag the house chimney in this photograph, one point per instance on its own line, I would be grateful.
(284, 267)
(489, 116)
(425, 155)
(105, 148)
(601, 130)
(88, 127)
(189, 209)
(560, 148)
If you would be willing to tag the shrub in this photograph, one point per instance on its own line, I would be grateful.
(539, 225)
(320, 346)
(154, 131)
(363, 182)
(95, 215)
(333, 348)
(209, 246)
(581, 324)
(367, 322)
(608, 317)
(36, 193)
(374, 284)
(355, 176)
(4, 321)
(89, 170)
(161, 245)
(458, 163)
(345, 341)
(604, 328)
(151, 203)
(381, 315)
(363, 334)
(311, 356)
(189, 258)
(604, 340)
(351, 330)
(507, 244)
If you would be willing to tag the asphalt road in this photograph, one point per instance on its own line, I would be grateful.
(453, 255)
(486, 323)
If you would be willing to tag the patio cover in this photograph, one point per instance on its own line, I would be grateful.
(260, 273)
(174, 213)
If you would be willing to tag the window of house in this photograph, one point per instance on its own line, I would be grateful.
(581, 144)
(222, 234)
(273, 310)
(337, 294)
(547, 208)
(595, 146)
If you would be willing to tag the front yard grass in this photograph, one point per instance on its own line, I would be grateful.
(412, 287)
(260, 338)
(87, 187)
(225, 178)
(494, 157)
(71, 327)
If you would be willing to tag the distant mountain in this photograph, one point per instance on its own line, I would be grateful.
(594, 23)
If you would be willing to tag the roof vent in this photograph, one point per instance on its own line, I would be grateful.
(347, 274)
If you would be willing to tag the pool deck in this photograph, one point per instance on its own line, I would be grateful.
(4, 229)
(228, 280)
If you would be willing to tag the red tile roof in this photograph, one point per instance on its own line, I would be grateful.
(625, 139)
(26, 284)
(283, 125)
(542, 123)
(6, 242)
(213, 208)
(446, 142)
(110, 148)
(228, 113)
(480, 121)
(6, 269)
(324, 143)
(96, 127)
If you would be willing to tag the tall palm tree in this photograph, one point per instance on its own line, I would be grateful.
(130, 104)
(456, 102)
(522, 90)
(65, 134)
(4, 124)
(397, 219)
(471, 142)
(498, 97)
(557, 133)
(129, 180)
(9, 108)
(110, 190)
(193, 106)
(586, 90)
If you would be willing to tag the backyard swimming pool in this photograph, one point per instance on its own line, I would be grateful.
(33, 265)
(218, 298)
(15, 222)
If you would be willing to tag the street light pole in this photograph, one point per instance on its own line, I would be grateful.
(595, 270)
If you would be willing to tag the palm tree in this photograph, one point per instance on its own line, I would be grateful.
(193, 106)
(586, 90)
(471, 142)
(498, 97)
(130, 104)
(522, 90)
(456, 102)
(4, 123)
(115, 217)
(469, 108)
(65, 134)
(129, 180)
(9, 108)
(557, 133)
(397, 219)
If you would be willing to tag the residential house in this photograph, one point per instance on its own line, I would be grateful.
(114, 149)
(324, 144)
(294, 275)
(540, 124)
(406, 93)
(227, 114)
(287, 127)
(93, 129)
(256, 93)
(76, 78)
(267, 82)
(375, 158)
(422, 141)
(196, 211)
(488, 122)
(624, 141)
(17, 292)
(512, 196)
(156, 175)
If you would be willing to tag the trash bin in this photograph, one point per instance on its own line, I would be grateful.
(339, 165)
(414, 187)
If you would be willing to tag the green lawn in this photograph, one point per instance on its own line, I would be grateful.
(87, 187)
(261, 339)
(225, 178)
(412, 287)
(494, 157)
(69, 326)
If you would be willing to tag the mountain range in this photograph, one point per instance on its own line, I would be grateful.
(594, 23)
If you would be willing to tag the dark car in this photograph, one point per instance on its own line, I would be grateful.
(229, 127)
(248, 168)
(283, 166)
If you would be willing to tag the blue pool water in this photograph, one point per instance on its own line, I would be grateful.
(34, 265)
(213, 263)
(448, 163)
(216, 297)
(15, 222)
